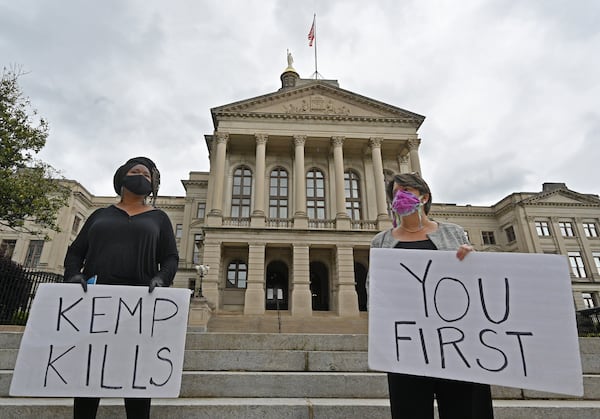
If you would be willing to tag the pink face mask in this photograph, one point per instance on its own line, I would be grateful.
(404, 203)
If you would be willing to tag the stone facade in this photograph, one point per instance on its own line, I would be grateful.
(295, 193)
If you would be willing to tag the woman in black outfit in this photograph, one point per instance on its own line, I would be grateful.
(129, 243)
(411, 396)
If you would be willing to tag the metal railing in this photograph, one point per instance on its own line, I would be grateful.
(588, 321)
(17, 289)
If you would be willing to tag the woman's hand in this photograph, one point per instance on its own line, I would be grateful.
(463, 251)
(78, 279)
(157, 281)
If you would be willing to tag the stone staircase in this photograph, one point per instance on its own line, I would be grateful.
(291, 375)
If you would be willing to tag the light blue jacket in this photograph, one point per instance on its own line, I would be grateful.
(448, 236)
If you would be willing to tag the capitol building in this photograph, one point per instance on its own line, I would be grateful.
(295, 193)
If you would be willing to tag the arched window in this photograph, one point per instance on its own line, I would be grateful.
(237, 273)
(315, 194)
(241, 192)
(352, 190)
(278, 193)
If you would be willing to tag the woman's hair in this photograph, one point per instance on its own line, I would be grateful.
(412, 180)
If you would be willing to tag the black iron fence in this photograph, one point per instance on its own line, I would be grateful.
(17, 289)
(588, 321)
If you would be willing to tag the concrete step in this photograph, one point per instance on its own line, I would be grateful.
(252, 360)
(318, 384)
(277, 341)
(277, 360)
(270, 322)
(284, 408)
(269, 384)
(282, 360)
(245, 341)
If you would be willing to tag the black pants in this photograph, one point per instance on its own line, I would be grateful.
(86, 408)
(411, 397)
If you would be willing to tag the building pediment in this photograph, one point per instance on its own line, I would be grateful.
(562, 197)
(319, 101)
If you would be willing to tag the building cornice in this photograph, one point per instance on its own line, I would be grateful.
(318, 117)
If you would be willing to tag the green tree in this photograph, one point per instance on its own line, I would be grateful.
(30, 190)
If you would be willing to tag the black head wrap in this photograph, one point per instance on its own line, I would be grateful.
(122, 172)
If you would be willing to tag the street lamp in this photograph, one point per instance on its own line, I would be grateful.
(202, 270)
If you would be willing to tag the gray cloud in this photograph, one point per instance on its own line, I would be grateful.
(508, 88)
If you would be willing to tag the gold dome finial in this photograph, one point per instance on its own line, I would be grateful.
(290, 62)
(289, 75)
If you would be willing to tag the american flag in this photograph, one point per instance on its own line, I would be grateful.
(311, 34)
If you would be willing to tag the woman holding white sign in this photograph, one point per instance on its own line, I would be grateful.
(412, 396)
(129, 243)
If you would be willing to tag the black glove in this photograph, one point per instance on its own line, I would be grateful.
(78, 279)
(157, 281)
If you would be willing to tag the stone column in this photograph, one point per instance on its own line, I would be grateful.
(300, 218)
(347, 297)
(301, 301)
(413, 146)
(255, 291)
(375, 143)
(219, 175)
(210, 282)
(258, 215)
(342, 221)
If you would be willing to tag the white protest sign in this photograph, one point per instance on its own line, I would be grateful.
(496, 318)
(112, 341)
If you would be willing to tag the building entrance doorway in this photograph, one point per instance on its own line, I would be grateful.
(360, 279)
(319, 286)
(277, 287)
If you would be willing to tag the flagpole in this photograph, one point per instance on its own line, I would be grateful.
(315, 34)
(312, 37)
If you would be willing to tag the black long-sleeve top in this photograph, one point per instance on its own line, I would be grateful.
(124, 250)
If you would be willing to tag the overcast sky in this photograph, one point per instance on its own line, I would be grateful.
(510, 89)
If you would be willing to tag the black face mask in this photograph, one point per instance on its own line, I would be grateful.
(137, 184)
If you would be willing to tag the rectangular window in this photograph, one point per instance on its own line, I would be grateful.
(201, 210)
(34, 251)
(542, 228)
(590, 230)
(467, 236)
(237, 274)
(315, 194)
(577, 267)
(352, 194)
(7, 248)
(198, 240)
(488, 237)
(178, 231)
(241, 192)
(588, 300)
(566, 229)
(596, 256)
(278, 193)
(76, 224)
(510, 234)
